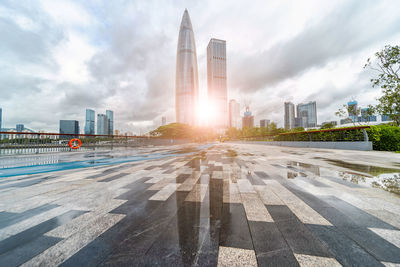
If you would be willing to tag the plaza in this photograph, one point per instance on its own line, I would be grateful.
(218, 204)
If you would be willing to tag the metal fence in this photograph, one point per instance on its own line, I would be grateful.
(30, 143)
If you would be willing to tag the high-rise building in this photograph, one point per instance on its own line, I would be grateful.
(187, 81)
(1, 111)
(308, 114)
(216, 81)
(19, 127)
(163, 121)
(352, 107)
(89, 122)
(289, 115)
(102, 124)
(110, 118)
(366, 117)
(264, 123)
(69, 127)
(234, 114)
(248, 119)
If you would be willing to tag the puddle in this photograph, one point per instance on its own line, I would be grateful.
(231, 153)
(305, 166)
(372, 170)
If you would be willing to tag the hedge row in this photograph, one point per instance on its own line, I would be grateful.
(383, 137)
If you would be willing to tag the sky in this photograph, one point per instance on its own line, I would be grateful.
(58, 58)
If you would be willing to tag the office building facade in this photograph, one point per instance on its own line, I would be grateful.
(102, 124)
(308, 114)
(69, 127)
(264, 123)
(187, 81)
(217, 82)
(234, 114)
(289, 115)
(19, 127)
(352, 107)
(110, 121)
(90, 122)
(248, 119)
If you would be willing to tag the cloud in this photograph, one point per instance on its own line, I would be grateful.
(349, 28)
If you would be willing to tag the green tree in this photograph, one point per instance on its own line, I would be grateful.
(327, 125)
(387, 66)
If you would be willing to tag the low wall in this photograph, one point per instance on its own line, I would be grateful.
(356, 145)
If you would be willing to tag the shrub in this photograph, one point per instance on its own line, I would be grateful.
(384, 137)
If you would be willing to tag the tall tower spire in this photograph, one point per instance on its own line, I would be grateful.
(187, 81)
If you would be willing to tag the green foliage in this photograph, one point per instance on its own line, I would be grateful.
(344, 135)
(328, 125)
(183, 131)
(387, 66)
(254, 132)
(384, 137)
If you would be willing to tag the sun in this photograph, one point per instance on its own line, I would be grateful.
(205, 112)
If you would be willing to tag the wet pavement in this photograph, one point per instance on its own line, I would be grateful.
(219, 204)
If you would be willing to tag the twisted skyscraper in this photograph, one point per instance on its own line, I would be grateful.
(187, 81)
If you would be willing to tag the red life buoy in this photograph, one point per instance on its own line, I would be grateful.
(73, 146)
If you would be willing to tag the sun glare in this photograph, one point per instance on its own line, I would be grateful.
(205, 112)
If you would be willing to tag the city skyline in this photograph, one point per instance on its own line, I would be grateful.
(68, 69)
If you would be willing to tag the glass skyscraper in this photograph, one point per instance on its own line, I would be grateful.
(307, 112)
(289, 115)
(102, 124)
(69, 127)
(234, 114)
(216, 80)
(110, 118)
(187, 81)
(89, 123)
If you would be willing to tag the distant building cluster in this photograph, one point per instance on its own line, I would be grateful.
(248, 119)
(306, 115)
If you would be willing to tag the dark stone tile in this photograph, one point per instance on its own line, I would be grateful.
(234, 228)
(150, 167)
(345, 250)
(171, 170)
(127, 241)
(300, 238)
(27, 251)
(255, 180)
(373, 243)
(9, 218)
(282, 257)
(358, 216)
(262, 175)
(266, 237)
(114, 177)
(342, 182)
(314, 182)
(32, 233)
(182, 177)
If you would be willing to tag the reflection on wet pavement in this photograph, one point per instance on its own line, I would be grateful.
(222, 204)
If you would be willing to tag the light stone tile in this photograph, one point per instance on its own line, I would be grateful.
(64, 249)
(386, 216)
(165, 193)
(267, 196)
(393, 236)
(82, 221)
(254, 208)
(161, 184)
(155, 180)
(231, 193)
(217, 175)
(232, 257)
(304, 212)
(390, 264)
(315, 261)
(245, 186)
(198, 193)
